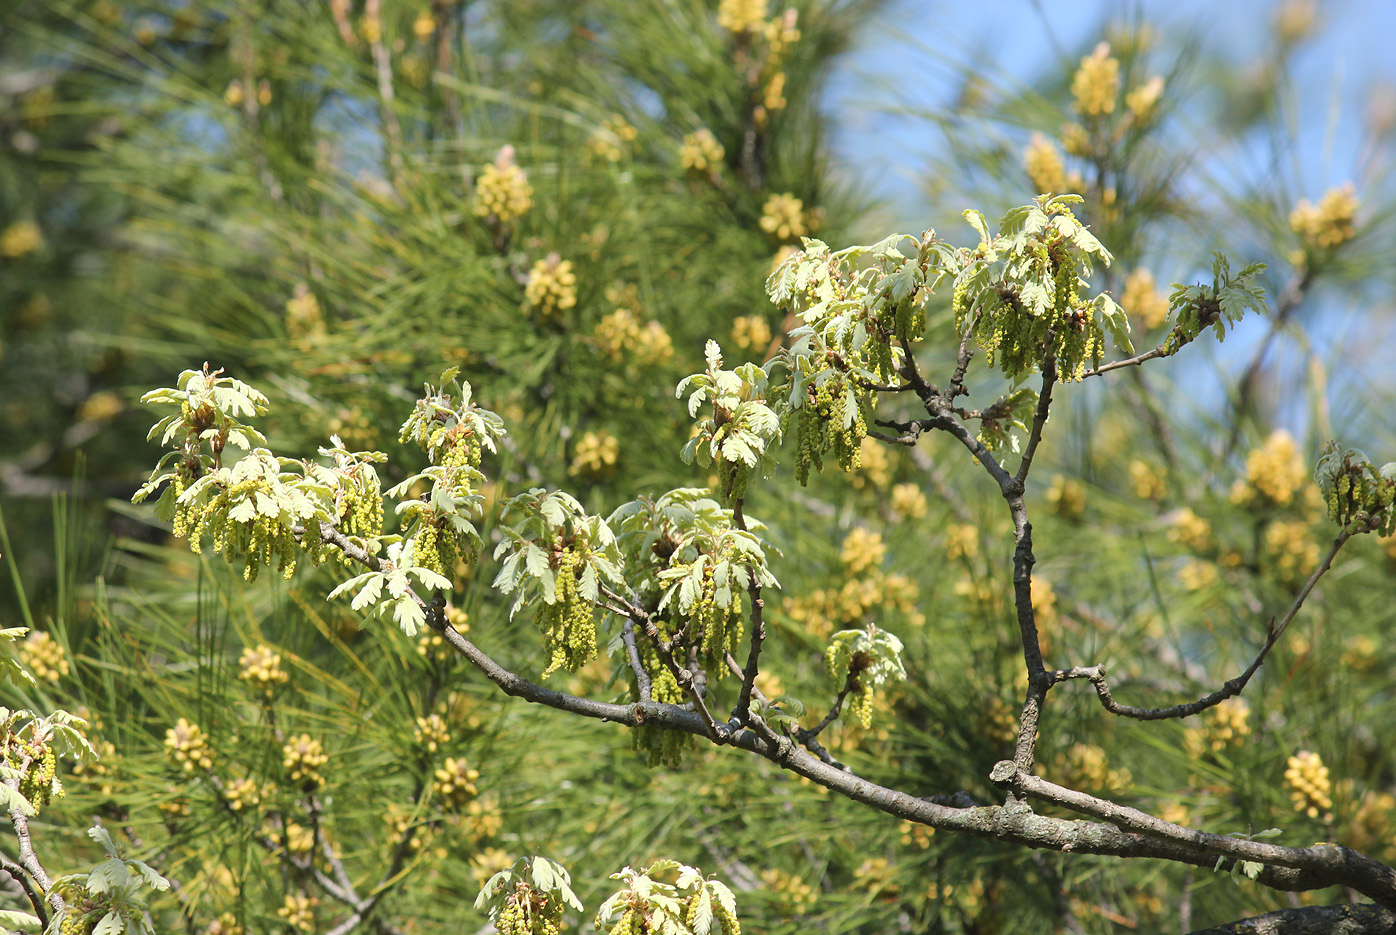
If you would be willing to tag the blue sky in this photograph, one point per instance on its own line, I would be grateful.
(1337, 74)
(1337, 71)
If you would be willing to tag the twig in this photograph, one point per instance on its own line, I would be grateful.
(688, 678)
(20, 876)
(632, 655)
(808, 742)
(849, 683)
(758, 632)
(1039, 419)
(1233, 687)
(962, 359)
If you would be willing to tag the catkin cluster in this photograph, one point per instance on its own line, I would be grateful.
(1226, 725)
(1192, 532)
(529, 912)
(739, 16)
(1085, 766)
(783, 217)
(1044, 166)
(359, 502)
(44, 656)
(432, 732)
(701, 152)
(1018, 338)
(609, 140)
(715, 628)
(1328, 224)
(1290, 550)
(187, 746)
(794, 895)
(621, 337)
(1096, 83)
(596, 454)
(551, 286)
(1310, 788)
(1143, 301)
(39, 782)
(21, 239)
(1274, 474)
(454, 782)
(568, 625)
(242, 794)
(260, 541)
(827, 425)
(1354, 489)
(298, 911)
(751, 333)
(502, 190)
(261, 668)
(303, 756)
(661, 747)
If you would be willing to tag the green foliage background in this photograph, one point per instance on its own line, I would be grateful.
(184, 218)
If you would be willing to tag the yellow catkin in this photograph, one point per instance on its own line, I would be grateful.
(1143, 100)
(454, 782)
(1275, 473)
(751, 333)
(609, 140)
(1225, 726)
(1044, 165)
(1310, 789)
(1330, 223)
(862, 549)
(303, 756)
(1067, 497)
(783, 217)
(187, 746)
(502, 190)
(1146, 480)
(1096, 83)
(908, 502)
(21, 239)
(261, 667)
(739, 16)
(552, 285)
(43, 656)
(701, 152)
(1145, 303)
(298, 911)
(596, 454)
(1191, 531)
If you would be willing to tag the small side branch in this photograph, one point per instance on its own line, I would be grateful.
(18, 874)
(758, 633)
(849, 683)
(632, 654)
(1039, 419)
(1096, 674)
(689, 679)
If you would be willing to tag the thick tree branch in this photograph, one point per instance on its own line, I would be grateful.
(1014, 823)
(1347, 919)
(1284, 867)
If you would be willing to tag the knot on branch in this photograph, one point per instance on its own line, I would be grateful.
(1003, 773)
